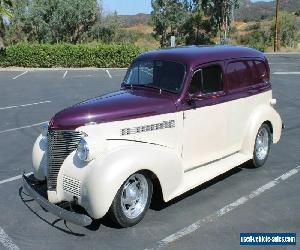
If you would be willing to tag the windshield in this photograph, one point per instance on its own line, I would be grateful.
(162, 75)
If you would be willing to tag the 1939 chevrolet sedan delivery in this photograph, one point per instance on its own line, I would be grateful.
(182, 117)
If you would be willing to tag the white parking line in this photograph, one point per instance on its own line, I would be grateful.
(65, 74)
(28, 126)
(107, 71)
(20, 75)
(14, 178)
(283, 63)
(6, 241)
(24, 105)
(200, 223)
(286, 73)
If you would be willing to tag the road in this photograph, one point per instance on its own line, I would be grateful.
(218, 211)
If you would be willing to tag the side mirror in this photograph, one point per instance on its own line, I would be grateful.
(191, 100)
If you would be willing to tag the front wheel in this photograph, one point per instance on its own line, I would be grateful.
(132, 200)
(262, 146)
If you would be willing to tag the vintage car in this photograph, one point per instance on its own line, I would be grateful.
(182, 117)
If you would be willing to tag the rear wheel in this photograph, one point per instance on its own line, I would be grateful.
(262, 146)
(132, 200)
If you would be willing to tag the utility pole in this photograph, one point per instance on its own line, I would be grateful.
(276, 40)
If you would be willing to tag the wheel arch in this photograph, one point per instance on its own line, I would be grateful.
(270, 126)
(162, 165)
(264, 114)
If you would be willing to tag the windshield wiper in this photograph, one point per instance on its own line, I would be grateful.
(142, 85)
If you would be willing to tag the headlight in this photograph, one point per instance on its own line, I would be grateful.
(82, 151)
(45, 129)
(44, 138)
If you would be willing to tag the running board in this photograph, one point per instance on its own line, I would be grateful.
(196, 176)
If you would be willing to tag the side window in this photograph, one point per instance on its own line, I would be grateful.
(196, 83)
(239, 75)
(262, 72)
(212, 79)
(253, 73)
(207, 80)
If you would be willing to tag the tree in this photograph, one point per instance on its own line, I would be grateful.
(289, 34)
(72, 18)
(221, 14)
(53, 21)
(107, 30)
(168, 17)
(198, 29)
(5, 5)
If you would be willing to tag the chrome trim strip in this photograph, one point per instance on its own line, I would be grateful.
(147, 128)
(210, 162)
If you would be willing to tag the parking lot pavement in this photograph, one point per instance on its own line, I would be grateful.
(35, 96)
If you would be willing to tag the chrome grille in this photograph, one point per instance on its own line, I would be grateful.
(72, 186)
(60, 145)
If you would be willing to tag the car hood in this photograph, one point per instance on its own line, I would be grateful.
(120, 105)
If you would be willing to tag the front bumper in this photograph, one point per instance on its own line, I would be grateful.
(76, 218)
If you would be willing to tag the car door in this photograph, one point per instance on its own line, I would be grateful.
(205, 118)
(245, 80)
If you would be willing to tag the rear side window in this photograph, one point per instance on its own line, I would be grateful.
(207, 80)
(242, 74)
(238, 75)
(262, 72)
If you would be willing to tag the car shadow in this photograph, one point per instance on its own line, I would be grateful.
(26, 199)
(158, 203)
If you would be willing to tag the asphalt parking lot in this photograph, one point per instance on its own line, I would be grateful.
(209, 217)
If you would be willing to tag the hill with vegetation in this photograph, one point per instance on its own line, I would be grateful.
(249, 11)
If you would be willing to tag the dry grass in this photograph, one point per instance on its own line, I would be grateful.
(146, 41)
(141, 28)
(242, 28)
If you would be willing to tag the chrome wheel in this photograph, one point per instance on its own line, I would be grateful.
(262, 144)
(134, 196)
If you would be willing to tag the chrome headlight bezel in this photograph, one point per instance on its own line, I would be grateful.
(83, 150)
(45, 130)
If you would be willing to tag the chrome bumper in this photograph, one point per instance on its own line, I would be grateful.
(76, 218)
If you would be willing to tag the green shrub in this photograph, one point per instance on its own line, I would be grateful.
(259, 38)
(67, 55)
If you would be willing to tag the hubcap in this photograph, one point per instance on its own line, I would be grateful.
(134, 196)
(262, 144)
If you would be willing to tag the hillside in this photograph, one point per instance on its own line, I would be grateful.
(261, 10)
(247, 11)
(134, 20)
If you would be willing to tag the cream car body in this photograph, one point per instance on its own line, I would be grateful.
(198, 137)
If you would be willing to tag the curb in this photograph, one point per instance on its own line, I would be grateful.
(282, 53)
(56, 69)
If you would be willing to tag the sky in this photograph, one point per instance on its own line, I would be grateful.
(132, 7)
(127, 7)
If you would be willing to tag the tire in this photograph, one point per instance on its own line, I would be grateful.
(262, 146)
(131, 201)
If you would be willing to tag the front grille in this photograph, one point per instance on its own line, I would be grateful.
(72, 186)
(60, 145)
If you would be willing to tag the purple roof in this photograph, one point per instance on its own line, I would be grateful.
(135, 103)
(195, 55)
